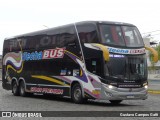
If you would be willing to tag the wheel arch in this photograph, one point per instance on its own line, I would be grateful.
(20, 80)
(14, 79)
(75, 82)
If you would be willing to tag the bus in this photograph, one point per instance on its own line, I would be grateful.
(99, 60)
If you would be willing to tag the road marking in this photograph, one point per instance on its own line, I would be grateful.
(154, 91)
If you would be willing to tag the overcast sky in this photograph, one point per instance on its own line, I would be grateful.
(23, 16)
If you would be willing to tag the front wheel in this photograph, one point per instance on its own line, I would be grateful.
(115, 102)
(76, 94)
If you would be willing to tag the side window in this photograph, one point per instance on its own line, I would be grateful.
(13, 45)
(6, 46)
(48, 39)
(68, 39)
(87, 33)
(67, 36)
(30, 43)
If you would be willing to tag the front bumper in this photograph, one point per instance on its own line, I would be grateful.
(115, 93)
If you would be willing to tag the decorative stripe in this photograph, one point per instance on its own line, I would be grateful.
(93, 94)
(63, 78)
(104, 49)
(49, 79)
(72, 54)
(15, 60)
(46, 85)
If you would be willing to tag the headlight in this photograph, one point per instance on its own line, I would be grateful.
(110, 86)
(146, 86)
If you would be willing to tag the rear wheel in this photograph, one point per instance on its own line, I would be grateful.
(15, 88)
(115, 102)
(77, 94)
(22, 89)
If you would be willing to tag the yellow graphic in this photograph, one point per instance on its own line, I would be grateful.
(96, 92)
(81, 72)
(74, 55)
(154, 52)
(49, 79)
(105, 51)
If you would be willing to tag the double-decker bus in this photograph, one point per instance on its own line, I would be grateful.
(85, 60)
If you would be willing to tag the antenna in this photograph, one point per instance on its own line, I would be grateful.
(45, 26)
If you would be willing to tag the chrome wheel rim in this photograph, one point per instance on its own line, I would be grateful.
(77, 94)
(14, 88)
(22, 89)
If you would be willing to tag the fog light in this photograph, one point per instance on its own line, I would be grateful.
(110, 86)
(146, 86)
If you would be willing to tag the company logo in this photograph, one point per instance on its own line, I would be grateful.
(46, 54)
(138, 51)
(115, 50)
(126, 51)
(53, 53)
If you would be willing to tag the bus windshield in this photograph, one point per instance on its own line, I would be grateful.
(126, 67)
(127, 36)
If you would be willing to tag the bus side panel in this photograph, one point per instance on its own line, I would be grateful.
(5, 83)
(63, 91)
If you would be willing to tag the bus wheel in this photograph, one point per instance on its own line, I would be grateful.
(22, 89)
(115, 102)
(77, 94)
(15, 88)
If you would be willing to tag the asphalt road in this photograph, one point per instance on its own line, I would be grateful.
(0, 74)
(154, 84)
(8, 102)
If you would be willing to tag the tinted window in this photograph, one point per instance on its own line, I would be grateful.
(87, 33)
(67, 36)
(6, 46)
(117, 66)
(48, 39)
(111, 34)
(59, 37)
(11, 45)
(132, 36)
(52, 67)
(30, 43)
(129, 67)
(120, 35)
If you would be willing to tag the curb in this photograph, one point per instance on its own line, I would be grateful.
(154, 91)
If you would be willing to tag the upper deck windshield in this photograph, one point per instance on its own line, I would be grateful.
(119, 35)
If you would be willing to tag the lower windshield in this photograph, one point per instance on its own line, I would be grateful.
(126, 67)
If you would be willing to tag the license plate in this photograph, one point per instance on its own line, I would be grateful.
(130, 96)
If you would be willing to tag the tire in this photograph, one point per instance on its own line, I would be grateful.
(115, 102)
(76, 94)
(15, 88)
(22, 91)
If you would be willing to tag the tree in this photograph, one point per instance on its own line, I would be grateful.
(157, 48)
